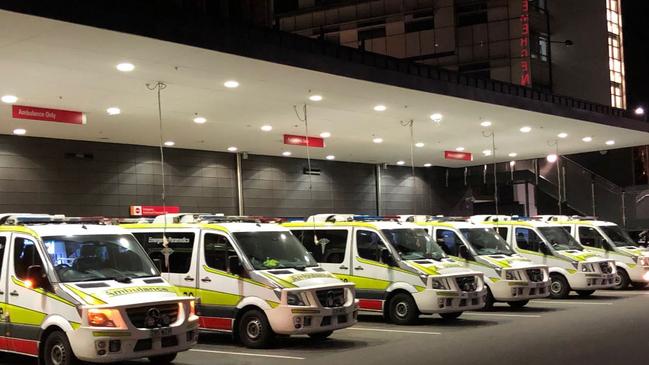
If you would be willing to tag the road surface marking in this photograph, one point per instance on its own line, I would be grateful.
(249, 354)
(501, 315)
(393, 331)
(559, 301)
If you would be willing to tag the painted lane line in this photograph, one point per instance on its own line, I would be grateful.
(501, 315)
(393, 331)
(249, 354)
(567, 302)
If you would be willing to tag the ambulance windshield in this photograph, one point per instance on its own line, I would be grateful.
(274, 250)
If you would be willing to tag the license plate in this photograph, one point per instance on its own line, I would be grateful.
(471, 295)
(339, 311)
(161, 332)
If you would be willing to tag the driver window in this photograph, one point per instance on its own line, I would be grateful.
(25, 255)
(369, 245)
(449, 241)
(218, 252)
(588, 236)
(527, 239)
(176, 258)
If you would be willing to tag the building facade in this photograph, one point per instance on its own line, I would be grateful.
(536, 43)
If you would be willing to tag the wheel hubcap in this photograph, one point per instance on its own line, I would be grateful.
(556, 287)
(57, 354)
(401, 309)
(253, 328)
(618, 279)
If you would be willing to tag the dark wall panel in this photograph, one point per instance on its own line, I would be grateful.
(44, 175)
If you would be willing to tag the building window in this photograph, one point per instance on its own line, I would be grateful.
(470, 12)
(616, 54)
(539, 47)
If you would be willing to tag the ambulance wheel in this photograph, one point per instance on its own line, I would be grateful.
(622, 279)
(584, 293)
(320, 335)
(451, 315)
(559, 288)
(638, 285)
(518, 303)
(254, 330)
(489, 300)
(163, 359)
(403, 309)
(57, 350)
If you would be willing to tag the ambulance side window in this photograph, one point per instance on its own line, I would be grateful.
(180, 249)
(369, 245)
(218, 251)
(3, 243)
(527, 239)
(502, 231)
(25, 255)
(588, 236)
(449, 241)
(325, 245)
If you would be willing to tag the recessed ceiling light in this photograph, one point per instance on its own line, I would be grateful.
(170, 143)
(400, 163)
(562, 135)
(512, 163)
(639, 110)
(513, 154)
(486, 123)
(231, 84)
(459, 149)
(377, 140)
(610, 142)
(113, 110)
(436, 117)
(325, 135)
(486, 152)
(428, 164)
(266, 128)
(286, 153)
(587, 139)
(9, 99)
(315, 97)
(20, 131)
(380, 108)
(331, 157)
(419, 144)
(125, 67)
(552, 158)
(525, 129)
(200, 120)
(232, 149)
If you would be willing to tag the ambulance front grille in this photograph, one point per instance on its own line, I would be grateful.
(156, 316)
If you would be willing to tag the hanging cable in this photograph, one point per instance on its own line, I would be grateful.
(411, 126)
(492, 134)
(305, 120)
(158, 87)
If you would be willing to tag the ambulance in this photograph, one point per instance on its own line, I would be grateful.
(73, 289)
(510, 277)
(251, 279)
(571, 266)
(612, 242)
(397, 269)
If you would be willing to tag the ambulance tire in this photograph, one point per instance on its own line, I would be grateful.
(403, 309)
(518, 303)
(254, 330)
(638, 285)
(584, 293)
(489, 300)
(320, 336)
(57, 350)
(163, 359)
(450, 315)
(622, 279)
(559, 287)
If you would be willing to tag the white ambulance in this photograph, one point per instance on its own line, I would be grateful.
(510, 277)
(398, 270)
(73, 290)
(612, 242)
(571, 266)
(251, 279)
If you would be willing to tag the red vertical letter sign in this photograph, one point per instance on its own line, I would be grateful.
(526, 79)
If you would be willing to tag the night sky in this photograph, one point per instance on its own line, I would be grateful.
(635, 16)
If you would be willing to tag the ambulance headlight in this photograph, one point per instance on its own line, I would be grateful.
(510, 275)
(643, 261)
(438, 284)
(104, 318)
(295, 299)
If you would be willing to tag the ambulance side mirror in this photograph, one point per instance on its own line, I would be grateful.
(36, 276)
(158, 264)
(386, 258)
(464, 253)
(545, 250)
(235, 265)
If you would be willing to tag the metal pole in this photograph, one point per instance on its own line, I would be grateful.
(379, 203)
(527, 199)
(493, 154)
(623, 210)
(240, 185)
(592, 195)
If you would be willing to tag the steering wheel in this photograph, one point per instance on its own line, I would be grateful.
(63, 266)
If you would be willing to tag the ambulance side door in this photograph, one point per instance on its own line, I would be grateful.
(368, 271)
(4, 243)
(220, 281)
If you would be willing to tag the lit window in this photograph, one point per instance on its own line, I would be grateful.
(616, 54)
